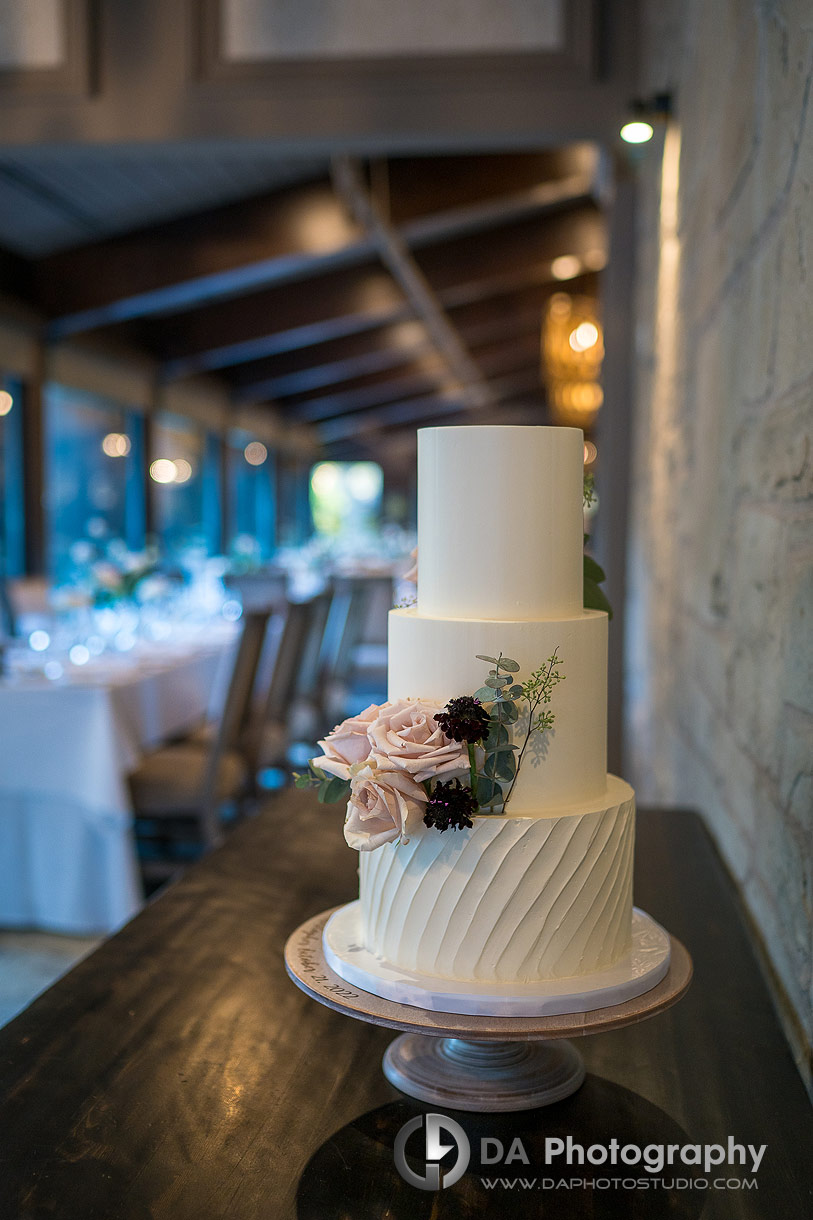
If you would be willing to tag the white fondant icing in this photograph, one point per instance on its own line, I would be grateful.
(436, 659)
(500, 522)
(511, 899)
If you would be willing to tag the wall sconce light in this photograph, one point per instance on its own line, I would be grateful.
(644, 113)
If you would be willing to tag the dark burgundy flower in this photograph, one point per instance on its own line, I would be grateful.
(464, 719)
(450, 805)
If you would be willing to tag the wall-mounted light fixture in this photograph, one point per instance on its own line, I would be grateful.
(645, 114)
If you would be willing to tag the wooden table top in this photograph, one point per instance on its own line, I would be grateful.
(178, 1073)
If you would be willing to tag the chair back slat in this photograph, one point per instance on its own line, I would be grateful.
(236, 707)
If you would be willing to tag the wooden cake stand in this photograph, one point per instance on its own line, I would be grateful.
(476, 1063)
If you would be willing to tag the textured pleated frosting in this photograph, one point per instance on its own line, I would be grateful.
(510, 900)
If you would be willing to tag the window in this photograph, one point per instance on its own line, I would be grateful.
(250, 497)
(93, 485)
(184, 485)
(12, 510)
(346, 497)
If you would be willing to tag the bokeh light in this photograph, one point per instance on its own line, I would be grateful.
(163, 470)
(116, 444)
(637, 132)
(255, 453)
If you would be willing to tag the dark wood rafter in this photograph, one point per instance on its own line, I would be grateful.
(396, 256)
(210, 256)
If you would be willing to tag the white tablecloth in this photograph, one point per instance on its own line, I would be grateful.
(67, 856)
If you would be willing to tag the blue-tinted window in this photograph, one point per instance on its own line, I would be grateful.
(12, 510)
(184, 484)
(346, 497)
(93, 484)
(250, 497)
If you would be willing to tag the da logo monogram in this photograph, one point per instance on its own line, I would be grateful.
(434, 1150)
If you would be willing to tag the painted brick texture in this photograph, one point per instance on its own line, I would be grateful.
(720, 648)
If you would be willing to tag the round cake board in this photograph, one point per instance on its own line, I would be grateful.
(638, 971)
(470, 1062)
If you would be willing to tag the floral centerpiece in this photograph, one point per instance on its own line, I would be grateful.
(403, 763)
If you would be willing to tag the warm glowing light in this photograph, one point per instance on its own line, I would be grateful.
(79, 655)
(595, 259)
(255, 453)
(39, 640)
(183, 470)
(565, 267)
(325, 478)
(583, 337)
(162, 470)
(637, 132)
(6, 402)
(116, 444)
(590, 453)
(560, 304)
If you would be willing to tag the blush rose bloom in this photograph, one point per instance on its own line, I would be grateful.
(405, 737)
(347, 744)
(384, 806)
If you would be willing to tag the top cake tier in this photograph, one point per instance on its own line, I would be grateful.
(500, 527)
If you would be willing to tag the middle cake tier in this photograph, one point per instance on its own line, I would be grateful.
(436, 660)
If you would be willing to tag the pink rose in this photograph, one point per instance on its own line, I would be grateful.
(383, 806)
(406, 736)
(347, 744)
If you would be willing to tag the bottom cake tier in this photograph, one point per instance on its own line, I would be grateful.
(509, 900)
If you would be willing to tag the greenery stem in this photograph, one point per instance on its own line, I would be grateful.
(531, 713)
(472, 770)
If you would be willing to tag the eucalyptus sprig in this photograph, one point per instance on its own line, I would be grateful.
(537, 693)
(505, 695)
(330, 788)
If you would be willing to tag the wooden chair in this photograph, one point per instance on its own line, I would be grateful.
(288, 716)
(353, 598)
(181, 788)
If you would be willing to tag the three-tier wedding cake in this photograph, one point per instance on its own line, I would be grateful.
(495, 850)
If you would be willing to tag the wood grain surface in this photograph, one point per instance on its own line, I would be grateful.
(306, 964)
(178, 1073)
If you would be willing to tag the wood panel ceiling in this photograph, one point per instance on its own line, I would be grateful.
(370, 299)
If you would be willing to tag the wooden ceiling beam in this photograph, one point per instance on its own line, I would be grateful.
(412, 187)
(324, 364)
(212, 255)
(422, 409)
(281, 319)
(396, 256)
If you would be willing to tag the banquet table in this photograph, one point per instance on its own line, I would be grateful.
(178, 1074)
(67, 855)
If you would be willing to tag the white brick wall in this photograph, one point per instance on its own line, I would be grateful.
(720, 688)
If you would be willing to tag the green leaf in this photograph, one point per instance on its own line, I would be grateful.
(497, 735)
(302, 781)
(333, 789)
(497, 683)
(513, 692)
(594, 598)
(507, 713)
(506, 767)
(492, 660)
(485, 694)
(509, 665)
(488, 791)
(593, 570)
